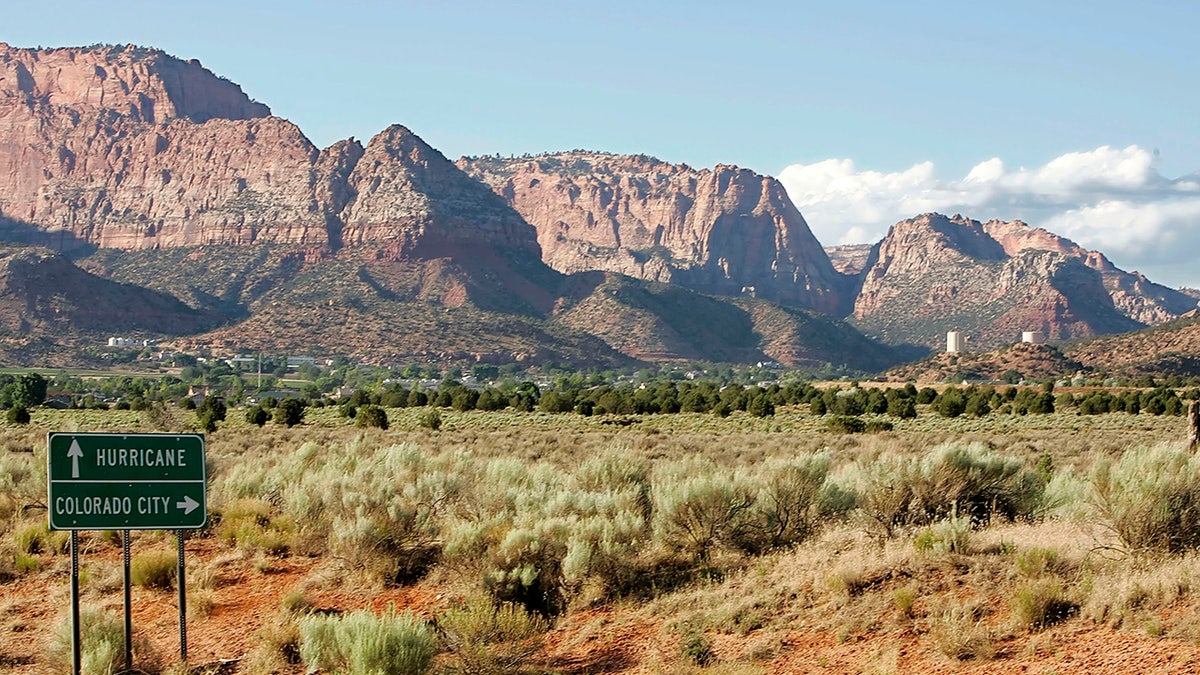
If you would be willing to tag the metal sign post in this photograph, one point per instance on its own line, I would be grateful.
(126, 482)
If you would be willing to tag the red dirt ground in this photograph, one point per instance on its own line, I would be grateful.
(616, 638)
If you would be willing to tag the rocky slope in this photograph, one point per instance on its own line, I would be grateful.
(724, 231)
(1170, 348)
(1132, 293)
(1027, 361)
(991, 281)
(46, 301)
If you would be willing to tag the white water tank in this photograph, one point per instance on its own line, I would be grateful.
(1033, 337)
(953, 341)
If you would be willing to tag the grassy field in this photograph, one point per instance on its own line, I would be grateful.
(535, 542)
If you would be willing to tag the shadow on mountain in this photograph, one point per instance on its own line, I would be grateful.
(26, 234)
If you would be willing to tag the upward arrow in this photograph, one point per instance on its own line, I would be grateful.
(74, 453)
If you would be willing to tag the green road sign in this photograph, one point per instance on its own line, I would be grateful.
(126, 481)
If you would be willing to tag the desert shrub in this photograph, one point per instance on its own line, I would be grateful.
(537, 536)
(255, 524)
(968, 480)
(430, 419)
(379, 508)
(951, 535)
(698, 506)
(1037, 562)
(361, 643)
(959, 634)
(488, 637)
(38, 538)
(1040, 603)
(257, 415)
(1150, 498)
(289, 412)
(18, 414)
(696, 648)
(154, 569)
(371, 416)
(22, 481)
(878, 426)
(102, 644)
(787, 508)
(846, 424)
(905, 600)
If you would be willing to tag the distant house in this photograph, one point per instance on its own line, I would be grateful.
(59, 400)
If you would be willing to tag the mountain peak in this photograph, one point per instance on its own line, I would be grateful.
(148, 85)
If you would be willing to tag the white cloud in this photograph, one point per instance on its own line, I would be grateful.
(1108, 199)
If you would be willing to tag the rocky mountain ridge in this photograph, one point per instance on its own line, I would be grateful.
(994, 280)
(151, 170)
(723, 231)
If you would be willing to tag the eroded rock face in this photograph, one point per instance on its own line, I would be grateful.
(130, 148)
(1132, 293)
(146, 85)
(69, 179)
(726, 231)
(994, 280)
(410, 195)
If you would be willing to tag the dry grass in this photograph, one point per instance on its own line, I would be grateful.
(842, 583)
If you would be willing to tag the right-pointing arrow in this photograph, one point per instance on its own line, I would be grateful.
(188, 504)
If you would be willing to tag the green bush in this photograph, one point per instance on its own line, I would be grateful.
(18, 414)
(257, 415)
(1150, 498)
(491, 638)
(1041, 603)
(969, 480)
(289, 412)
(845, 424)
(154, 569)
(361, 643)
(430, 419)
(371, 416)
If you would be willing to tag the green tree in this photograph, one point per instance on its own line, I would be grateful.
(902, 407)
(950, 403)
(18, 414)
(760, 406)
(371, 416)
(257, 415)
(289, 412)
(29, 390)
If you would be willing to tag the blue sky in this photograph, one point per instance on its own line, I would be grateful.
(869, 108)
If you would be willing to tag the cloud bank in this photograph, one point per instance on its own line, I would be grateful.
(1108, 199)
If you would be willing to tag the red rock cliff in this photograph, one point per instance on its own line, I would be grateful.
(726, 231)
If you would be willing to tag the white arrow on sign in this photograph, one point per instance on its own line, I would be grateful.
(74, 453)
(188, 504)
